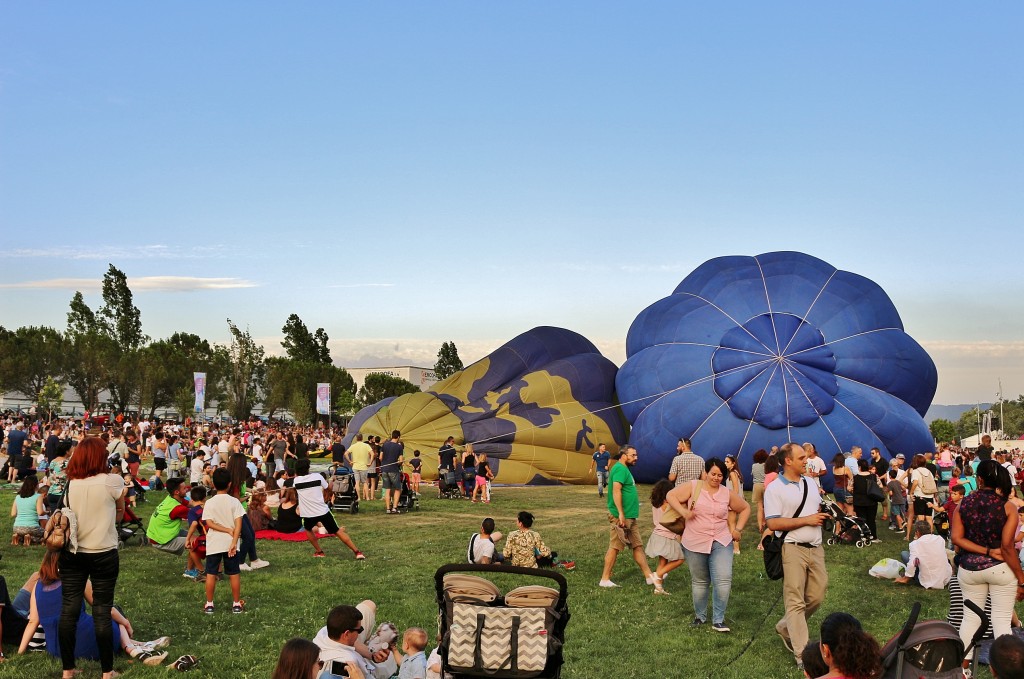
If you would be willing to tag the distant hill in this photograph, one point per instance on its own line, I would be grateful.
(952, 413)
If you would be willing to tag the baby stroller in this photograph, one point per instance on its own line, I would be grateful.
(343, 486)
(486, 634)
(130, 529)
(941, 522)
(448, 485)
(408, 500)
(845, 529)
(931, 648)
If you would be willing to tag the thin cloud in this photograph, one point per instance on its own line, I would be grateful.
(111, 253)
(139, 284)
(981, 348)
(363, 285)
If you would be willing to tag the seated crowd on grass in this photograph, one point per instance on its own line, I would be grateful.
(225, 485)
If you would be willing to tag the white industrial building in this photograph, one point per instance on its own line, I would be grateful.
(424, 378)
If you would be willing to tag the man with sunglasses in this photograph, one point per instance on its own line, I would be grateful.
(344, 637)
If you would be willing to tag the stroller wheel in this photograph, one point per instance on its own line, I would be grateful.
(861, 544)
(830, 541)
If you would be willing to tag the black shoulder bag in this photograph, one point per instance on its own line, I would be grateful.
(772, 544)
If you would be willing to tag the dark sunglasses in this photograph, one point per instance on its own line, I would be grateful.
(357, 630)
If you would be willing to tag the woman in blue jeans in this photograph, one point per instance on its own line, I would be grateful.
(708, 540)
(97, 499)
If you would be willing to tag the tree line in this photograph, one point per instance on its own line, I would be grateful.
(967, 425)
(106, 350)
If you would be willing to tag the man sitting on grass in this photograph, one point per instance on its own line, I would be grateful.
(165, 531)
(927, 561)
(481, 545)
(313, 509)
(344, 637)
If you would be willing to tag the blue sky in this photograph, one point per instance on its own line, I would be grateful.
(402, 174)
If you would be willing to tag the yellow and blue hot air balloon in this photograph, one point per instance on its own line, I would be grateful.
(538, 406)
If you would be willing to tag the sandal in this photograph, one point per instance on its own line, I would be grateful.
(184, 663)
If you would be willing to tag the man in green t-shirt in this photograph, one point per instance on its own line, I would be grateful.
(623, 511)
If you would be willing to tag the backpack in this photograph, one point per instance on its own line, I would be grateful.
(61, 529)
(928, 482)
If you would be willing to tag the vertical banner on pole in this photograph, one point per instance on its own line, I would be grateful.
(200, 380)
(323, 398)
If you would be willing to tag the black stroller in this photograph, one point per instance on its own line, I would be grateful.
(941, 522)
(448, 485)
(408, 501)
(130, 529)
(931, 648)
(844, 529)
(343, 487)
(486, 634)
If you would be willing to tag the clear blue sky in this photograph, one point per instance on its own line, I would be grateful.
(408, 173)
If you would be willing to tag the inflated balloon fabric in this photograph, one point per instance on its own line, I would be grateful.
(752, 352)
(538, 406)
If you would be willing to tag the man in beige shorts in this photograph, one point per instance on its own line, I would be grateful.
(623, 512)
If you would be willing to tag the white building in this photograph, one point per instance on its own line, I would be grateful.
(424, 378)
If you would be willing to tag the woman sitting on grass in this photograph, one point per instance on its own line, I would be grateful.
(300, 659)
(259, 512)
(26, 510)
(45, 607)
(524, 546)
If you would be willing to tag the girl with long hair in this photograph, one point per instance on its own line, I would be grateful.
(45, 610)
(849, 651)
(663, 544)
(734, 482)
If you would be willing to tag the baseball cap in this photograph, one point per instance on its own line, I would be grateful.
(900, 456)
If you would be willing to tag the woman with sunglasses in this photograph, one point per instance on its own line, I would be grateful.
(300, 659)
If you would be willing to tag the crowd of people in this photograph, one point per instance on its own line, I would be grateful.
(225, 484)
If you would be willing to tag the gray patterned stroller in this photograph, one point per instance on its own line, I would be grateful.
(930, 649)
(484, 633)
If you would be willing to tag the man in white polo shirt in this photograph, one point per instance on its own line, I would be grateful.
(804, 577)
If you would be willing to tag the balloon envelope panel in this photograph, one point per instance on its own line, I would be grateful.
(752, 352)
(538, 406)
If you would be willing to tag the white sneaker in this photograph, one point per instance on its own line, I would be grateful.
(244, 567)
(650, 579)
(607, 583)
(258, 563)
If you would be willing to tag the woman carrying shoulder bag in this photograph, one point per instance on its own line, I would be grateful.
(97, 499)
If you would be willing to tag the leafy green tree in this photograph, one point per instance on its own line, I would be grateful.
(51, 397)
(166, 366)
(121, 321)
(88, 350)
(943, 430)
(448, 361)
(301, 345)
(378, 386)
(289, 381)
(30, 356)
(243, 369)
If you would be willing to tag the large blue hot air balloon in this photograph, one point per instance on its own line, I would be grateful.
(751, 352)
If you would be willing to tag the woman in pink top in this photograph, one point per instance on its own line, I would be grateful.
(707, 540)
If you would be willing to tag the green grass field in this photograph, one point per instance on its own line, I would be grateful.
(624, 632)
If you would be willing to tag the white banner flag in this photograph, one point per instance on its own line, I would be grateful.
(323, 398)
(200, 380)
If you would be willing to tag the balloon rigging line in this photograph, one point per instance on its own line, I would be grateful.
(750, 425)
(710, 346)
(691, 384)
(862, 422)
(737, 323)
(768, 301)
(817, 412)
(726, 401)
(842, 339)
(808, 312)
